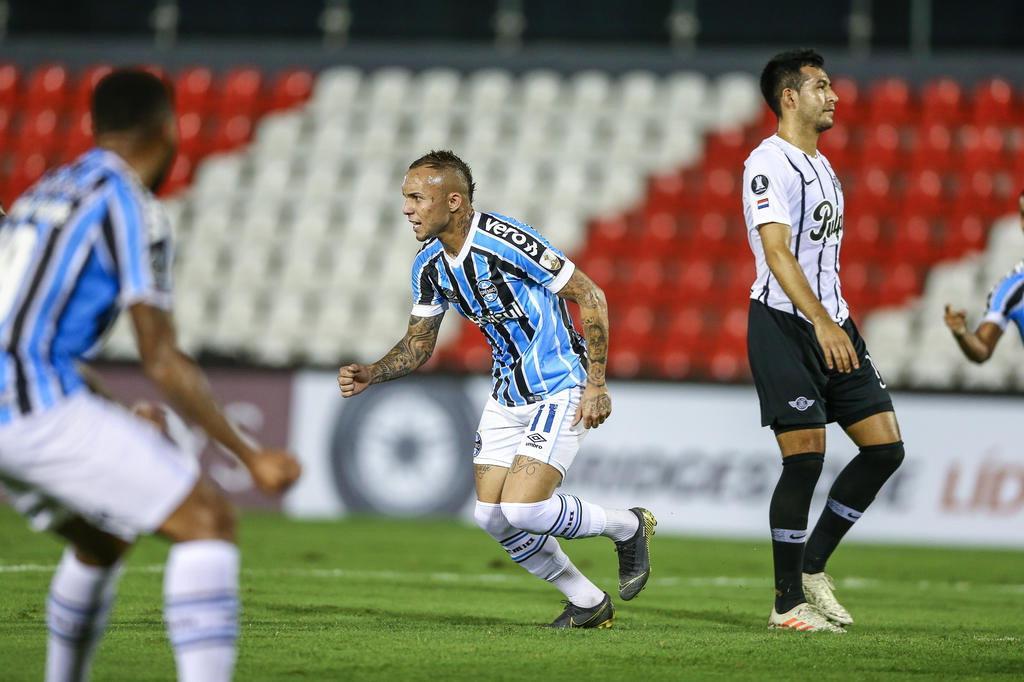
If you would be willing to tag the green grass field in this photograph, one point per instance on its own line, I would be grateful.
(369, 599)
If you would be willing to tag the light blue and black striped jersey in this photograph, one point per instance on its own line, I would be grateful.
(505, 280)
(83, 243)
(1006, 300)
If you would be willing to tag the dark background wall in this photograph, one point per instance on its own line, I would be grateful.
(953, 24)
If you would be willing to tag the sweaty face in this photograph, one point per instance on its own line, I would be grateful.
(425, 202)
(816, 102)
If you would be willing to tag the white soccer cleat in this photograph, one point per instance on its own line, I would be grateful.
(802, 618)
(818, 588)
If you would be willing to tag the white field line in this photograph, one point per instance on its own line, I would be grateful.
(850, 583)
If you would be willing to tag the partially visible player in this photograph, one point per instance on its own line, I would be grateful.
(1005, 305)
(548, 385)
(88, 240)
(809, 362)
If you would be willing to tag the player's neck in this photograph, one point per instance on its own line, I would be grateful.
(454, 236)
(140, 160)
(804, 139)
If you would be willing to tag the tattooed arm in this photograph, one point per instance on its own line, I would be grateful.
(596, 404)
(408, 354)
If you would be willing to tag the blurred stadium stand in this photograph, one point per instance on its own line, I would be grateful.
(292, 250)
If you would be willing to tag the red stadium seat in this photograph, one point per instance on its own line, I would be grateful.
(231, 133)
(925, 194)
(984, 148)
(10, 81)
(882, 148)
(993, 104)
(191, 140)
(662, 238)
(290, 88)
(240, 93)
(964, 234)
(726, 149)
(193, 90)
(933, 149)
(665, 193)
(890, 102)
(942, 102)
(48, 88)
(899, 283)
(40, 132)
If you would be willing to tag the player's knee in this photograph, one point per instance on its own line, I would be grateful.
(205, 515)
(528, 517)
(491, 519)
(887, 457)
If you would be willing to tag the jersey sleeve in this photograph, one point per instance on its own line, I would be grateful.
(138, 237)
(427, 301)
(1006, 300)
(764, 190)
(528, 251)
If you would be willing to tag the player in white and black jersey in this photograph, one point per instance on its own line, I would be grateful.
(810, 365)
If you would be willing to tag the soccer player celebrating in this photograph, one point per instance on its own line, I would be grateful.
(1005, 304)
(549, 386)
(809, 362)
(85, 241)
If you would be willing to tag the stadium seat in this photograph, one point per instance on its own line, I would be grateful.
(48, 88)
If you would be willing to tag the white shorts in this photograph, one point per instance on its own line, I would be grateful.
(91, 458)
(543, 431)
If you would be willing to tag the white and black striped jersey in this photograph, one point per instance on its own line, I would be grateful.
(782, 184)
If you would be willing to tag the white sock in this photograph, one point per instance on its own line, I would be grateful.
(201, 608)
(622, 524)
(567, 516)
(541, 555)
(76, 614)
(577, 588)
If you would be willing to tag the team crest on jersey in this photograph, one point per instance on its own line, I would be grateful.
(759, 184)
(830, 222)
(487, 290)
(801, 404)
(550, 260)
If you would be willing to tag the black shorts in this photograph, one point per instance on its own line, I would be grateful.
(795, 386)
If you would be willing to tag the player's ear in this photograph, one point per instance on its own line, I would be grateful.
(455, 201)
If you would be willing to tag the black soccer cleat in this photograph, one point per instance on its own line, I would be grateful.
(635, 556)
(600, 616)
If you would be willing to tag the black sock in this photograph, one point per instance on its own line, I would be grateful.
(855, 488)
(788, 518)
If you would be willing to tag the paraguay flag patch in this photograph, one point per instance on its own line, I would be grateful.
(762, 203)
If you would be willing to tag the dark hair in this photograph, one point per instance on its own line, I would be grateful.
(130, 99)
(783, 71)
(445, 159)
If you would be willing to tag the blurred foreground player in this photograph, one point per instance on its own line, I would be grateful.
(507, 279)
(86, 241)
(809, 362)
(1005, 305)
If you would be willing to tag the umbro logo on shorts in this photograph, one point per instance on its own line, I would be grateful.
(801, 404)
(536, 438)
